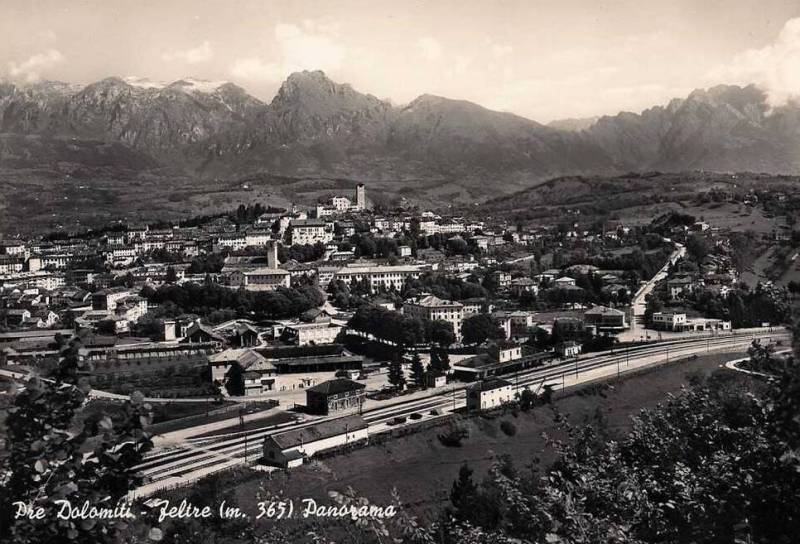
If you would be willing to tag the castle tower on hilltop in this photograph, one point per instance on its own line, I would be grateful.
(361, 197)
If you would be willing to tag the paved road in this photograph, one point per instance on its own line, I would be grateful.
(639, 301)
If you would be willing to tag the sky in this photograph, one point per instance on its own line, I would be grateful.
(540, 59)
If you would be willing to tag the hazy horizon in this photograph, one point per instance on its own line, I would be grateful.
(541, 60)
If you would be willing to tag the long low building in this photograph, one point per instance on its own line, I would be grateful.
(260, 279)
(386, 277)
(311, 358)
(290, 448)
(485, 365)
(318, 332)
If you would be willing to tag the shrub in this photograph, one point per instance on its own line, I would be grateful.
(453, 438)
(509, 428)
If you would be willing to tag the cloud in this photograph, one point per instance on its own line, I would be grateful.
(195, 55)
(775, 67)
(459, 66)
(309, 46)
(498, 50)
(255, 69)
(430, 48)
(30, 70)
(46, 36)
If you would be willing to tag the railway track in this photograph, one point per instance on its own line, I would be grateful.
(210, 454)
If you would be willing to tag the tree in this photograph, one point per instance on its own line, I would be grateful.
(716, 463)
(59, 451)
(444, 360)
(234, 380)
(441, 332)
(417, 371)
(171, 276)
(527, 399)
(697, 247)
(440, 362)
(396, 375)
(464, 495)
(490, 283)
(479, 328)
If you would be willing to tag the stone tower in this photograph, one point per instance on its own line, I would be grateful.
(272, 254)
(361, 197)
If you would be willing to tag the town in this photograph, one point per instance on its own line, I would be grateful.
(309, 329)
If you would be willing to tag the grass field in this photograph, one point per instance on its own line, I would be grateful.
(422, 469)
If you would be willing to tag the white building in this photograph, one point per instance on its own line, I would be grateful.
(11, 264)
(489, 393)
(668, 321)
(565, 281)
(569, 349)
(342, 204)
(234, 242)
(436, 309)
(289, 448)
(303, 334)
(505, 352)
(121, 255)
(385, 277)
(257, 238)
(310, 231)
(260, 279)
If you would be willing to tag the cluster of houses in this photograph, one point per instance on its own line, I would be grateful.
(94, 283)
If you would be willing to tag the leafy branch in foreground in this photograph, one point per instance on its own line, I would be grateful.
(716, 463)
(59, 453)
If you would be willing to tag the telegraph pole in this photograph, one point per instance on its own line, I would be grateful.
(241, 429)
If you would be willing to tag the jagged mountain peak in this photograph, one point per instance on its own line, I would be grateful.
(142, 82)
(315, 125)
(317, 91)
(193, 85)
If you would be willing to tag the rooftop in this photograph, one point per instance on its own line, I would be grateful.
(490, 384)
(320, 431)
(335, 386)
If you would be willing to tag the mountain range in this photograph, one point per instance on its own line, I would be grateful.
(317, 127)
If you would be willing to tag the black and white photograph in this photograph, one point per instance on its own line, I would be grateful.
(399, 271)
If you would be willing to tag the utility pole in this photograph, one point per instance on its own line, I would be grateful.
(241, 429)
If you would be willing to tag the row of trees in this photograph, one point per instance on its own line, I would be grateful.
(438, 366)
(405, 330)
(402, 330)
(301, 253)
(743, 308)
(209, 298)
(445, 287)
